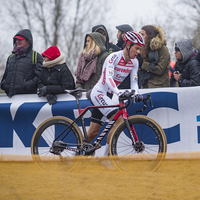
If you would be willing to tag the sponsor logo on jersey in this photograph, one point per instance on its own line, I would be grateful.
(118, 75)
(135, 78)
(110, 72)
(122, 62)
(101, 100)
(100, 96)
(112, 59)
(104, 77)
(123, 70)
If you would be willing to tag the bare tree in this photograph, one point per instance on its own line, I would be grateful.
(54, 22)
(182, 20)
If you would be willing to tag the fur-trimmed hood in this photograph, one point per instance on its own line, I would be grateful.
(159, 40)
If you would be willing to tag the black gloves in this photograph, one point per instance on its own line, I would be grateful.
(41, 92)
(138, 97)
(51, 99)
(124, 94)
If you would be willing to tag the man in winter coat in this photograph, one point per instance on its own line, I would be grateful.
(187, 68)
(109, 46)
(23, 66)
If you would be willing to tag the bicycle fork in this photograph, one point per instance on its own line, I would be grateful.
(137, 144)
(131, 131)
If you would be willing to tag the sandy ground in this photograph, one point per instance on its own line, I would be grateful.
(175, 179)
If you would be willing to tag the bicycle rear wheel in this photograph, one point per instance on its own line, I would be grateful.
(147, 154)
(61, 155)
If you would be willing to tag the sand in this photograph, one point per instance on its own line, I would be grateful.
(177, 178)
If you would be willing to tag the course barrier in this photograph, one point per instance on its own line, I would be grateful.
(177, 110)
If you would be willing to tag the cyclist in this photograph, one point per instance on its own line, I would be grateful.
(116, 68)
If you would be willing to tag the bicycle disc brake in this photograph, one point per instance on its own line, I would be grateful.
(139, 146)
(58, 147)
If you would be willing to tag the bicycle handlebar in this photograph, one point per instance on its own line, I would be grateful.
(131, 96)
(145, 99)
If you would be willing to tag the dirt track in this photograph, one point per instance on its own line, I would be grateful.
(175, 179)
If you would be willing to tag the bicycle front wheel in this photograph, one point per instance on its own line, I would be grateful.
(144, 155)
(55, 143)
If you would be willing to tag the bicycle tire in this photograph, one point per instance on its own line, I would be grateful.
(152, 136)
(42, 141)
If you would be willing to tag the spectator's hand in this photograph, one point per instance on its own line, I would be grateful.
(51, 99)
(41, 92)
(138, 97)
(177, 75)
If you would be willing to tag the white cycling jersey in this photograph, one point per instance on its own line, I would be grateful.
(115, 70)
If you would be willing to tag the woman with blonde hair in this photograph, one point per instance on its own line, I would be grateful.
(154, 72)
(90, 61)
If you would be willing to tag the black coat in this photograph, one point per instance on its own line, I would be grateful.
(20, 76)
(57, 79)
(190, 71)
(110, 47)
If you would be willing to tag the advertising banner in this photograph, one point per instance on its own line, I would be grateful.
(177, 110)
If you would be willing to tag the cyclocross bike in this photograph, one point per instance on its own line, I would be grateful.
(135, 138)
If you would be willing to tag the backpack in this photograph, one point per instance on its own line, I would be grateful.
(34, 58)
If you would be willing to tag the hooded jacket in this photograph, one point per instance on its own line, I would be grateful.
(155, 72)
(56, 76)
(109, 46)
(99, 40)
(189, 65)
(20, 76)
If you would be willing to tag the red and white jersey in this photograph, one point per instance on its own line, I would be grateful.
(115, 70)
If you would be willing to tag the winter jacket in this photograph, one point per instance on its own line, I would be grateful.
(154, 73)
(56, 76)
(99, 40)
(20, 76)
(109, 46)
(189, 66)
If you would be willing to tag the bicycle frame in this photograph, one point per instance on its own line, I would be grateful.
(122, 111)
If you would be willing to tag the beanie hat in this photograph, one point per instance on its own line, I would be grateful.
(124, 28)
(51, 53)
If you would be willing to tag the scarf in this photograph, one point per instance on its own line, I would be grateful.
(19, 51)
(58, 60)
(86, 66)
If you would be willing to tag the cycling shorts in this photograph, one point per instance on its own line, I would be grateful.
(99, 97)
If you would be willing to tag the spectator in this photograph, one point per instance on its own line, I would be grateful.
(122, 29)
(187, 68)
(90, 61)
(22, 67)
(109, 46)
(154, 72)
(55, 76)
